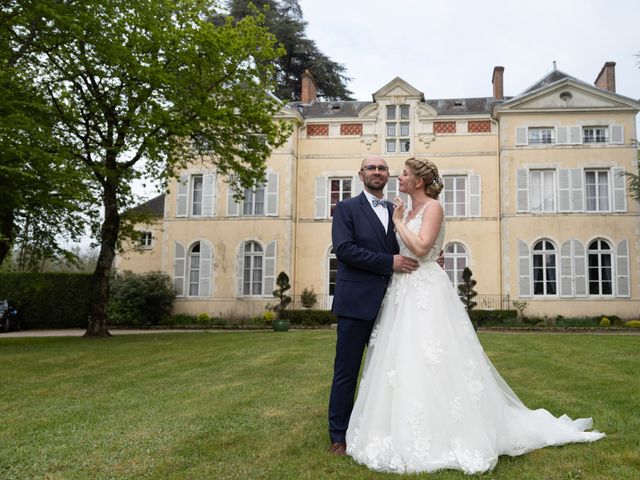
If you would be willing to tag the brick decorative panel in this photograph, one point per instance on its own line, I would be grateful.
(318, 130)
(444, 127)
(479, 126)
(350, 129)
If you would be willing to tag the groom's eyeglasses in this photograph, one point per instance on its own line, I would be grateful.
(373, 168)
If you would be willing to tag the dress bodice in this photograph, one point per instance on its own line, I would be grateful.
(414, 227)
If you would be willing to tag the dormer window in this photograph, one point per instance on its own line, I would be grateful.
(397, 129)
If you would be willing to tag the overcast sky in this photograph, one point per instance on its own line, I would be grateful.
(448, 48)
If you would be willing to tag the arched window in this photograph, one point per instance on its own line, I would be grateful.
(600, 257)
(194, 269)
(252, 269)
(544, 268)
(455, 261)
(332, 267)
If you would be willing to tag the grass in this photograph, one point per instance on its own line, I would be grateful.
(252, 405)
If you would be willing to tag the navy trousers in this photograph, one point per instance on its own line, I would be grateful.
(353, 336)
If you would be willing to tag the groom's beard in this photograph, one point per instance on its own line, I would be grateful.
(375, 184)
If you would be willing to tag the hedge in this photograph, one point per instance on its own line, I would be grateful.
(48, 300)
(308, 317)
(483, 318)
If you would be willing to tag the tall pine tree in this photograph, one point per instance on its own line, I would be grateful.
(284, 19)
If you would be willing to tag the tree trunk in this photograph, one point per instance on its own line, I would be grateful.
(6, 228)
(102, 274)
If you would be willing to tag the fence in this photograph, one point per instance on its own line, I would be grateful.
(484, 302)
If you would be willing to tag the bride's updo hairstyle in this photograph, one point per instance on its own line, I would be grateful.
(428, 172)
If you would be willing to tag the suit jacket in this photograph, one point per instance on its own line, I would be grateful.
(365, 258)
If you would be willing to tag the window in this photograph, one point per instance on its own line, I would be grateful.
(194, 270)
(544, 268)
(597, 190)
(340, 189)
(196, 195)
(600, 265)
(595, 134)
(397, 129)
(253, 203)
(145, 239)
(455, 261)
(333, 271)
(541, 135)
(542, 191)
(252, 269)
(455, 196)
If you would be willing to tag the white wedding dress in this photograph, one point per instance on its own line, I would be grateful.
(429, 397)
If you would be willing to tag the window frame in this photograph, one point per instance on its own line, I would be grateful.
(597, 198)
(598, 253)
(546, 253)
(249, 284)
(397, 129)
(341, 192)
(454, 274)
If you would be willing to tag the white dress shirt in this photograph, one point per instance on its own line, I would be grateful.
(381, 211)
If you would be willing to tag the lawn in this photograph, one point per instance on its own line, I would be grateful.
(252, 405)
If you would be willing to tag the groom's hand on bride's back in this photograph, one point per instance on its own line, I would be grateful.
(404, 264)
(440, 258)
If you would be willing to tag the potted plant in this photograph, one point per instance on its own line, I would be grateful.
(282, 282)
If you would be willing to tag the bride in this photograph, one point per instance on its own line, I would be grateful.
(429, 397)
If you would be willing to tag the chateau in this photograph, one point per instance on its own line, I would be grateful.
(534, 201)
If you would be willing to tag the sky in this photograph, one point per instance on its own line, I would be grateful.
(448, 48)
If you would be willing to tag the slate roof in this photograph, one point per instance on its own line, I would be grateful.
(447, 106)
(552, 77)
(153, 207)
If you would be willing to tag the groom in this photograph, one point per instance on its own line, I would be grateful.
(367, 251)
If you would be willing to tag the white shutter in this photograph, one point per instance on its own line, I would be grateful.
(521, 135)
(233, 207)
(356, 186)
(616, 134)
(321, 197)
(208, 187)
(564, 190)
(579, 269)
(474, 195)
(622, 269)
(619, 190)
(566, 270)
(562, 135)
(392, 189)
(522, 189)
(183, 196)
(575, 135)
(270, 269)
(577, 198)
(524, 264)
(240, 269)
(272, 194)
(204, 287)
(178, 269)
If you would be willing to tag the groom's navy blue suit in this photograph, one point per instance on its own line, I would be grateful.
(365, 262)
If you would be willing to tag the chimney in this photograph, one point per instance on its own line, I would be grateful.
(309, 88)
(607, 77)
(498, 90)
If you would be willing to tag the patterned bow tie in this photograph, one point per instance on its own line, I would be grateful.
(375, 202)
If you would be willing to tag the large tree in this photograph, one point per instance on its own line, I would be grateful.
(40, 194)
(141, 88)
(285, 20)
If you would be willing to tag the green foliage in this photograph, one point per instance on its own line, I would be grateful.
(308, 298)
(521, 306)
(140, 299)
(465, 289)
(632, 324)
(633, 178)
(268, 317)
(48, 300)
(492, 318)
(280, 293)
(308, 317)
(604, 322)
(284, 19)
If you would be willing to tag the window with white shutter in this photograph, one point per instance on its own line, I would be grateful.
(616, 134)
(522, 190)
(272, 194)
(270, 269)
(619, 190)
(178, 268)
(524, 267)
(183, 196)
(321, 197)
(622, 269)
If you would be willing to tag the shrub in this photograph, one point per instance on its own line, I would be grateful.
(605, 322)
(308, 317)
(140, 299)
(48, 300)
(632, 324)
(308, 298)
(485, 318)
(267, 317)
(280, 293)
